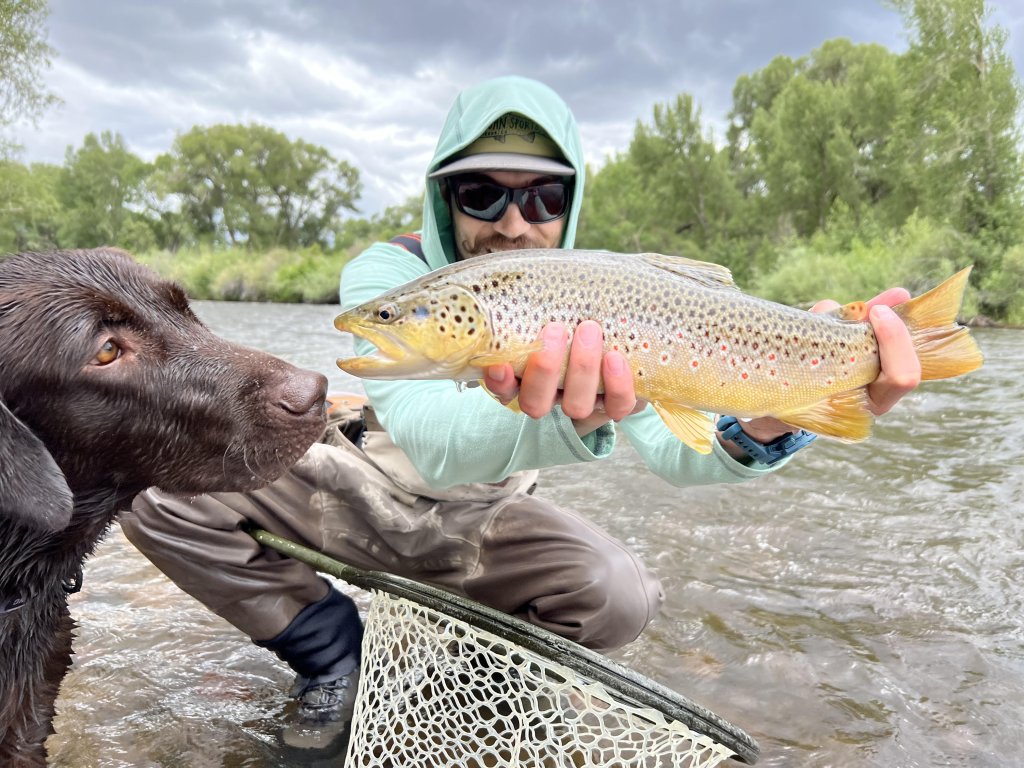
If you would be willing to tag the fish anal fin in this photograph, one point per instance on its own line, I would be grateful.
(694, 428)
(844, 416)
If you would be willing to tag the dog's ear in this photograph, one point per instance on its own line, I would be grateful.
(33, 490)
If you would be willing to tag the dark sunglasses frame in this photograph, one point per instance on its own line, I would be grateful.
(523, 197)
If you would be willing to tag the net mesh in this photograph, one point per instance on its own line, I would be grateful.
(437, 691)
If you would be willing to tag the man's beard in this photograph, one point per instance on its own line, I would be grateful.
(496, 243)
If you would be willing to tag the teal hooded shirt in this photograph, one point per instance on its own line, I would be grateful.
(455, 435)
(473, 111)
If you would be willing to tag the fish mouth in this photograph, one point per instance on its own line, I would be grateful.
(394, 358)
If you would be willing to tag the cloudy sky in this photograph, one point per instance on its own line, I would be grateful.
(372, 81)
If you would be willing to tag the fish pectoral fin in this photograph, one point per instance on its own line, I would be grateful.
(694, 428)
(514, 353)
(844, 416)
(513, 405)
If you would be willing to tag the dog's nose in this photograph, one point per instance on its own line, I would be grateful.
(302, 392)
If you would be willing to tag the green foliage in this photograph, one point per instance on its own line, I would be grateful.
(842, 172)
(30, 212)
(917, 256)
(252, 186)
(24, 53)
(101, 192)
(235, 274)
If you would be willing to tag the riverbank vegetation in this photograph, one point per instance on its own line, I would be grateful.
(842, 172)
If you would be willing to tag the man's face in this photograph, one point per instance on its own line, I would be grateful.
(511, 232)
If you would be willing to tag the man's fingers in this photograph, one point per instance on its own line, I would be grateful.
(890, 298)
(501, 382)
(619, 391)
(539, 387)
(900, 367)
(583, 374)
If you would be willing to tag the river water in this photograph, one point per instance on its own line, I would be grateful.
(862, 607)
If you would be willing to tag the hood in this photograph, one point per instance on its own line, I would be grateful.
(473, 111)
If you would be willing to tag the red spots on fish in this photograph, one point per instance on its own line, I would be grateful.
(771, 356)
(695, 363)
(815, 362)
(853, 358)
(744, 376)
(645, 345)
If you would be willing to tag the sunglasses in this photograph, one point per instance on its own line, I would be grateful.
(488, 200)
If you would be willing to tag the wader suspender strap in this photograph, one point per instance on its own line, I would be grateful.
(412, 243)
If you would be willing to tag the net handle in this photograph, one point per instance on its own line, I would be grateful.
(625, 682)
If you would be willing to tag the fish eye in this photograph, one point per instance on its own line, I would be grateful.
(388, 313)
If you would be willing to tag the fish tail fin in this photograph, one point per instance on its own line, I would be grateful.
(843, 416)
(944, 348)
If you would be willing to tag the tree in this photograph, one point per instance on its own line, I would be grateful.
(960, 131)
(30, 214)
(251, 185)
(24, 53)
(811, 134)
(101, 190)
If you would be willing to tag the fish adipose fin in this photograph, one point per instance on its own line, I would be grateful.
(944, 348)
(692, 427)
(844, 416)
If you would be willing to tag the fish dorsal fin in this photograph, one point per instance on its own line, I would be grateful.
(703, 272)
(844, 416)
(692, 427)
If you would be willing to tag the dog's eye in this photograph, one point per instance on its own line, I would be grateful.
(388, 313)
(108, 353)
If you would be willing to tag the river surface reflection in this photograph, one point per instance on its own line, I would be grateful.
(862, 607)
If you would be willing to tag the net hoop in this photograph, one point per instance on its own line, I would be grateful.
(589, 667)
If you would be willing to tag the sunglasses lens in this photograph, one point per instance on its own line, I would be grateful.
(481, 200)
(544, 202)
(487, 201)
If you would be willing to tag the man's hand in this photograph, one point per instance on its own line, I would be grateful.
(900, 368)
(587, 367)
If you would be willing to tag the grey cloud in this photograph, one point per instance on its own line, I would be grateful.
(148, 70)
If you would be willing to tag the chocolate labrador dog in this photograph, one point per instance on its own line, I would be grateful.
(110, 384)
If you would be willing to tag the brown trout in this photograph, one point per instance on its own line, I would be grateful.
(694, 341)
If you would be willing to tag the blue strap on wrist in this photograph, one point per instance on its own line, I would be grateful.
(764, 453)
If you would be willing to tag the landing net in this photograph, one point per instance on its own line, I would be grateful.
(448, 682)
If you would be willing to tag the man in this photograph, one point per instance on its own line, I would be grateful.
(440, 487)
